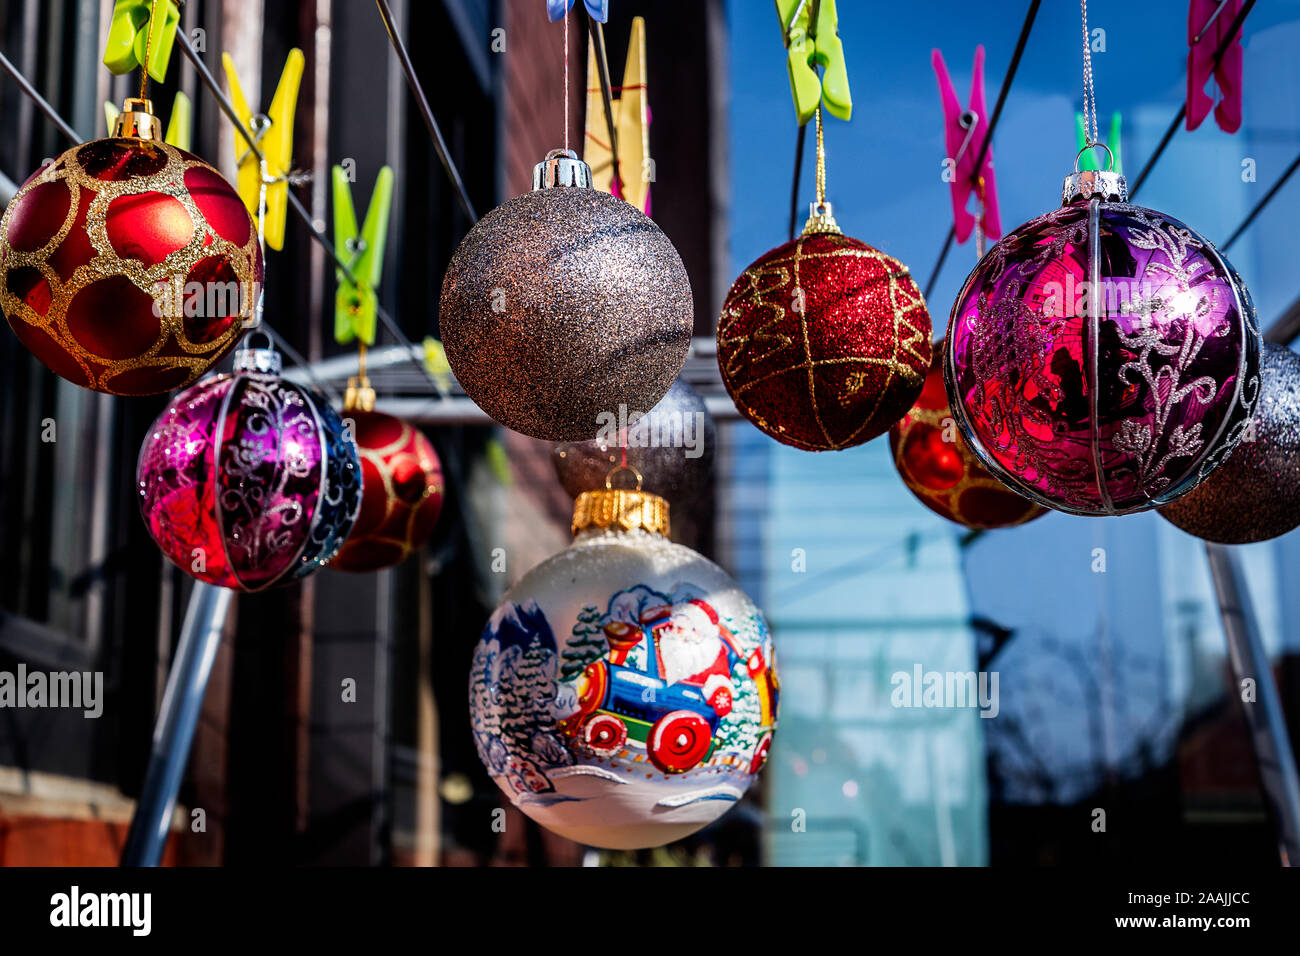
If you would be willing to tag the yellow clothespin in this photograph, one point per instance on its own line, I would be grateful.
(810, 45)
(631, 124)
(274, 134)
(141, 34)
(180, 126)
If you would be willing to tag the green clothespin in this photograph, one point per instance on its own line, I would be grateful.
(356, 306)
(142, 30)
(180, 126)
(811, 45)
(1089, 159)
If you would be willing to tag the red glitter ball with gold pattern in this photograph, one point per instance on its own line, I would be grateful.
(824, 342)
(932, 459)
(401, 492)
(128, 266)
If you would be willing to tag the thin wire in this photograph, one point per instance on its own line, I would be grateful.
(25, 85)
(798, 172)
(607, 98)
(1228, 38)
(422, 101)
(1259, 206)
(1089, 94)
(228, 108)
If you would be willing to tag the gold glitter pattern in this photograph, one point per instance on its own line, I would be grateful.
(171, 347)
(850, 320)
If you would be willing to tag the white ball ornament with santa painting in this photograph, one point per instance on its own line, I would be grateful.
(624, 693)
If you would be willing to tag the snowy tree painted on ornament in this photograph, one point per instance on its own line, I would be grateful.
(740, 730)
(512, 693)
(586, 645)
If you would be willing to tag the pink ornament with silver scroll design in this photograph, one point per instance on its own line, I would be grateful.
(1103, 358)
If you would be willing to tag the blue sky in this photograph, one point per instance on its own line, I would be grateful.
(884, 165)
(1104, 667)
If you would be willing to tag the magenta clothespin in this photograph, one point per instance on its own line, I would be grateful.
(964, 132)
(1208, 22)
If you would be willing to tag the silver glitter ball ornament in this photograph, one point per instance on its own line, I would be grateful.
(563, 304)
(671, 447)
(1255, 494)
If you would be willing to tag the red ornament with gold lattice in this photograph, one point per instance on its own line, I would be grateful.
(128, 266)
(936, 465)
(824, 342)
(401, 496)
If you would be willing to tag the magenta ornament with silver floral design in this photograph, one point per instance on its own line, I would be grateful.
(249, 481)
(1102, 359)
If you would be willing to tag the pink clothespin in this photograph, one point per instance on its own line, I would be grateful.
(1207, 25)
(964, 132)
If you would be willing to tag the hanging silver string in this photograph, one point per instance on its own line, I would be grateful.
(1089, 95)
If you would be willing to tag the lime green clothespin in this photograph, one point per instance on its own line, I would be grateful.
(141, 34)
(811, 45)
(356, 305)
(435, 362)
(1089, 159)
(180, 126)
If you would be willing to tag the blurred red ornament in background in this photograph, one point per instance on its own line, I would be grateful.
(824, 342)
(128, 266)
(401, 492)
(932, 459)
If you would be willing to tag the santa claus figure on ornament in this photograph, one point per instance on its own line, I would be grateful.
(694, 648)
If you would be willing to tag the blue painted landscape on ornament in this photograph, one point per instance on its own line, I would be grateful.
(654, 686)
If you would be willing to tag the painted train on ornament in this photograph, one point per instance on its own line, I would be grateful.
(651, 709)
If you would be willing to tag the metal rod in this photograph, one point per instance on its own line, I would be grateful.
(1227, 41)
(417, 92)
(187, 682)
(606, 94)
(1259, 206)
(1279, 783)
(1030, 16)
(39, 100)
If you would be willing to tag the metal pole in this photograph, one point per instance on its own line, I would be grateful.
(187, 682)
(1278, 780)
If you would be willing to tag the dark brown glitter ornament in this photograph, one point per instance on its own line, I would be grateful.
(1255, 494)
(563, 304)
(671, 446)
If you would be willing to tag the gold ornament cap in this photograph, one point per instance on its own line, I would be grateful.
(620, 509)
(821, 220)
(360, 396)
(137, 121)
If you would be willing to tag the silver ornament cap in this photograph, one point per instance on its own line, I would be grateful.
(561, 167)
(263, 360)
(1104, 184)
